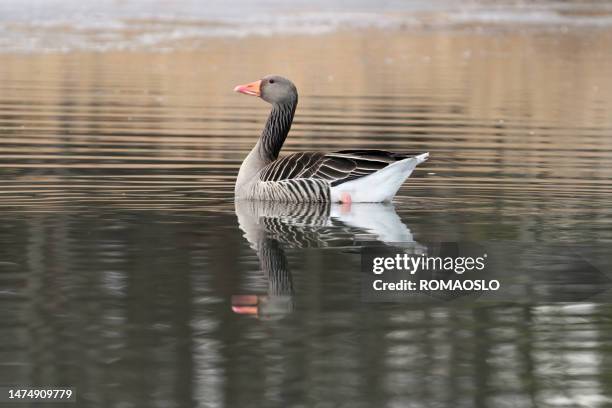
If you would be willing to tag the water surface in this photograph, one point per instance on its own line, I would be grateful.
(123, 263)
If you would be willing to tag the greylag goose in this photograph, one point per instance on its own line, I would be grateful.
(344, 176)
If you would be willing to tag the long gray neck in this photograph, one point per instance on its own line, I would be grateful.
(276, 130)
(269, 144)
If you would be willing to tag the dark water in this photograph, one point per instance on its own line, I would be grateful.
(123, 263)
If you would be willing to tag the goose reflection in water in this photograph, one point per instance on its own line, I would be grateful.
(271, 227)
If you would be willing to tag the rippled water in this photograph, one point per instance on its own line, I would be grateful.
(125, 272)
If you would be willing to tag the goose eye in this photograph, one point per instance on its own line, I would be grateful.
(271, 81)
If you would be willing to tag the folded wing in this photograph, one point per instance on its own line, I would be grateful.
(336, 168)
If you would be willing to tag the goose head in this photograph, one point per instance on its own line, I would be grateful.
(273, 89)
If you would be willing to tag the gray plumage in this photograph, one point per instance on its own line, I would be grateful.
(305, 176)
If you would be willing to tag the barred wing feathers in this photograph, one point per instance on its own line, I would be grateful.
(336, 168)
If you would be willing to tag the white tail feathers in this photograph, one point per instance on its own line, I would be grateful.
(380, 186)
(422, 157)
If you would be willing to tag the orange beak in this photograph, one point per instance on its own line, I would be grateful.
(250, 89)
(245, 304)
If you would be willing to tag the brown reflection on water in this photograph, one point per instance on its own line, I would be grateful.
(502, 112)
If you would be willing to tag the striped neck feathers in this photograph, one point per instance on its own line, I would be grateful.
(276, 129)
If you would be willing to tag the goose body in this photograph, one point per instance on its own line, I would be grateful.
(342, 176)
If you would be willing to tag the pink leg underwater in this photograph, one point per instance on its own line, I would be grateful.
(345, 198)
(346, 201)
